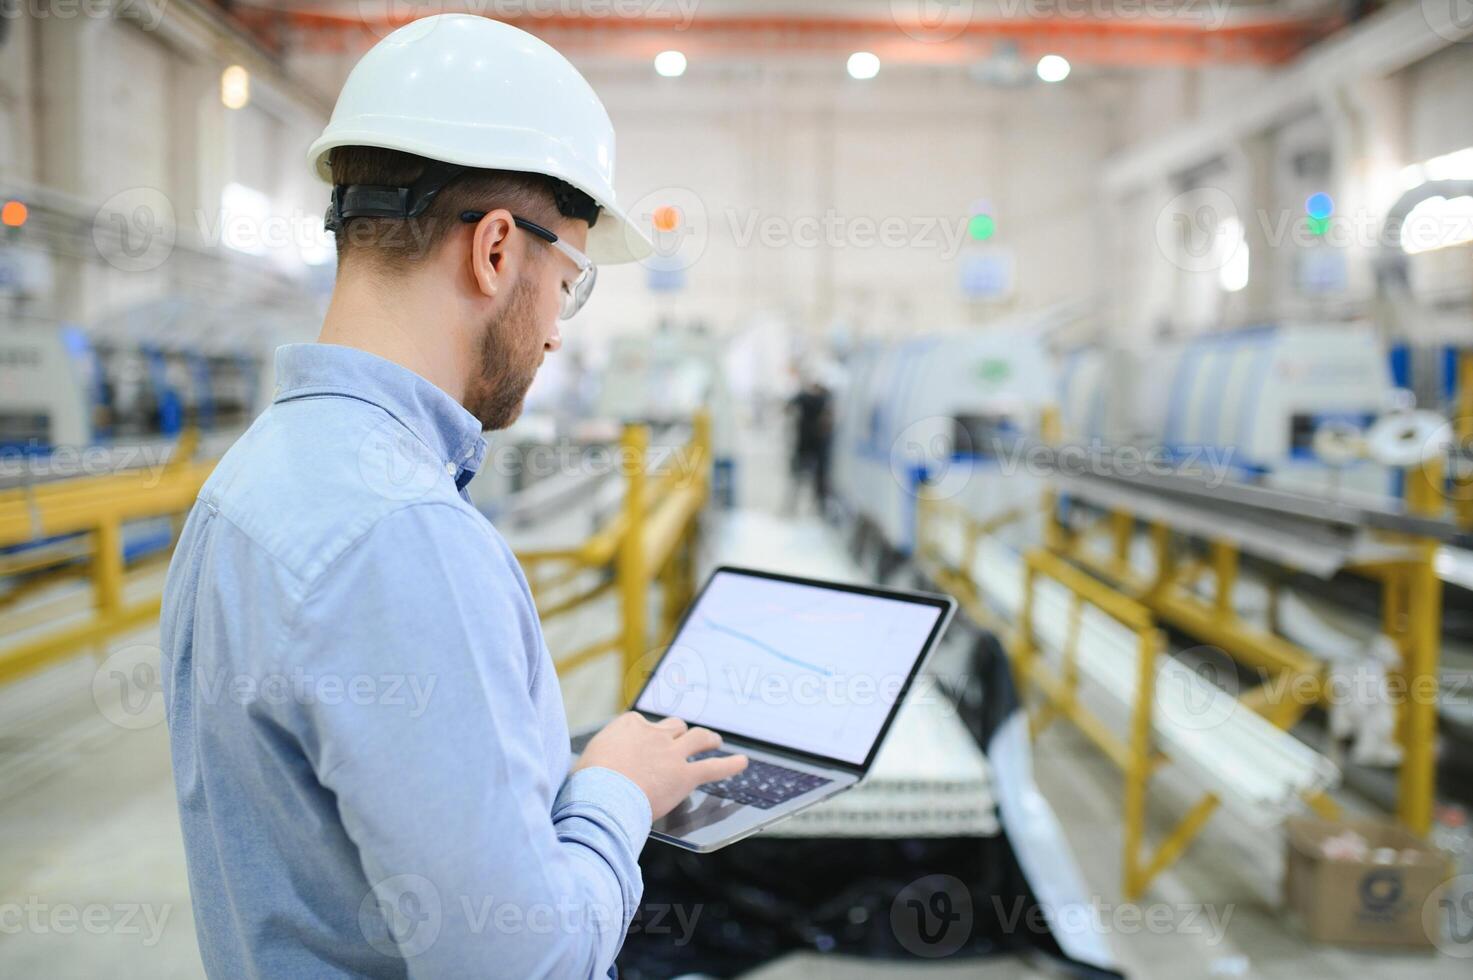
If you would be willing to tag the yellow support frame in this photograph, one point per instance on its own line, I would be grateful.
(1411, 602)
(650, 543)
(1057, 693)
(97, 507)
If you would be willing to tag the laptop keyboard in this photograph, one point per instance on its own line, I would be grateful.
(762, 784)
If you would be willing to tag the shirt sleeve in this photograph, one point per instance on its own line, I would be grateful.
(479, 864)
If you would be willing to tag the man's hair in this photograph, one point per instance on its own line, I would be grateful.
(388, 243)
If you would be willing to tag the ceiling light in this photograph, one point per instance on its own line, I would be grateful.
(235, 87)
(863, 64)
(1053, 68)
(670, 64)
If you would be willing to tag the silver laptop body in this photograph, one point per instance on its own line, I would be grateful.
(803, 676)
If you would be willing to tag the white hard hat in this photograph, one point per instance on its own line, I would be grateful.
(471, 91)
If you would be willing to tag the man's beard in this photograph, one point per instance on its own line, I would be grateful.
(509, 356)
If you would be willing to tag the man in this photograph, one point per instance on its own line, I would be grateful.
(813, 425)
(369, 744)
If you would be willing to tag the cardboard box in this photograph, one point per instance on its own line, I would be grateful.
(1361, 902)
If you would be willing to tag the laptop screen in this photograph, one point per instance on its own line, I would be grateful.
(798, 665)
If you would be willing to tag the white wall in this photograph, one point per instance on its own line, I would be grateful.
(1371, 127)
(777, 158)
(101, 117)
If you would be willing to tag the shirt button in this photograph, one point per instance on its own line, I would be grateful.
(451, 468)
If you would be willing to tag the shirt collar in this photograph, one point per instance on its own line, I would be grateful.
(436, 419)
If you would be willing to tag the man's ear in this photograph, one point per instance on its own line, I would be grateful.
(490, 255)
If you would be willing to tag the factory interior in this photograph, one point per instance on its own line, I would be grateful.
(1139, 330)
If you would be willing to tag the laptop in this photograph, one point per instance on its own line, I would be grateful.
(802, 676)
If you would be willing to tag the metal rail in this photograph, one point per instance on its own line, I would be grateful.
(651, 540)
(1395, 548)
(1056, 690)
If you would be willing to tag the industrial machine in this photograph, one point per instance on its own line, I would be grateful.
(1275, 405)
(47, 387)
(945, 409)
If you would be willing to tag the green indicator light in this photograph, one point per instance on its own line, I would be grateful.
(993, 369)
(981, 227)
(1317, 226)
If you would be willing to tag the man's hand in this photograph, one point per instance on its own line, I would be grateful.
(656, 756)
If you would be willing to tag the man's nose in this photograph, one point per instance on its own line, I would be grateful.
(554, 340)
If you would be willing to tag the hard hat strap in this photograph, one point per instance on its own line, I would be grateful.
(379, 201)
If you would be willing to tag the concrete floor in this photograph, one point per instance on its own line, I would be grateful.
(93, 883)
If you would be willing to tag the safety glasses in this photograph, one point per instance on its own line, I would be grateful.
(574, 294)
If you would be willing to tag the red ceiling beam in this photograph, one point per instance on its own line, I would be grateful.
(1100, 41)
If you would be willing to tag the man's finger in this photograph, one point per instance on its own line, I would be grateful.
(718, 768)
(699, 740)
(674, 726)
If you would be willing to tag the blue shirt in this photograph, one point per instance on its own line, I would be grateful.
(369, 743)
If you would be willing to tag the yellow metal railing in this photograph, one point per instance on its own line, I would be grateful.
(97, 508)
(1048, 692)
(650, 542)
